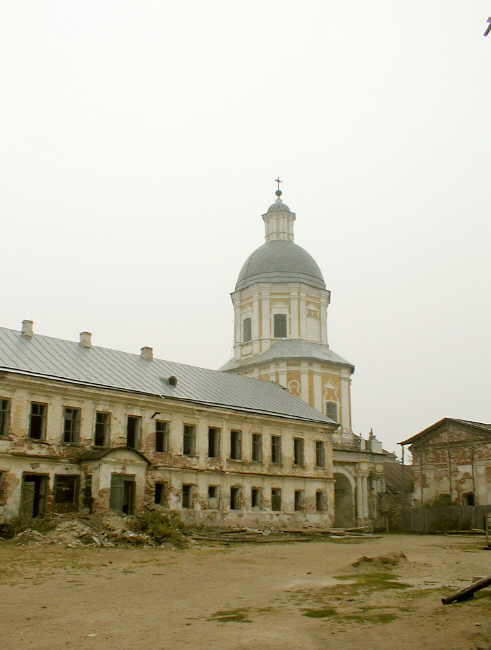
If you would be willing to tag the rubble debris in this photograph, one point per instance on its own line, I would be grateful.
(381, 561)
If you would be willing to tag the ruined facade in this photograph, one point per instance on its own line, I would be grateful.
(280, 306)
(451, 463)
(84, 428)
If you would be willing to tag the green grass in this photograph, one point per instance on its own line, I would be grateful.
(320, 613)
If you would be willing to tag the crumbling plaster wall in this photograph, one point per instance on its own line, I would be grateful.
(19, 454)
(455, 461)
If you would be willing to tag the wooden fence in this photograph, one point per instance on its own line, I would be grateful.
(431, 519)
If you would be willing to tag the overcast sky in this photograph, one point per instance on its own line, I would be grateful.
(139, 141)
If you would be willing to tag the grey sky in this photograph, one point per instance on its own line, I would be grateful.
(138, 145)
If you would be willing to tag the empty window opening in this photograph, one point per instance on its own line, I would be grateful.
(235, 498)
(256, 498)
(332, 411)
(257, 447)
(469, 499)
(160, 494)
(122, 494)
(298, 500)
(320, 501)
(247, 329)
(4, 416)
(298, 445)
(161, 436)
(133, 431)
(320, 454)
(34, 493)
(71, 425)
(101, 433)
(187, 496)
(37, 421)
(276, 449)
(279, 326)
(276, 499)
(213, 496)
(66, 493)
(213, 442)
(189, 440)
(236, 445)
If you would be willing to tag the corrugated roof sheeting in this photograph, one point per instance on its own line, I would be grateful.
(57, 358)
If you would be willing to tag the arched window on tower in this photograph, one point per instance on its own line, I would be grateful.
(332, 411)
(279, 329)
(247, 329)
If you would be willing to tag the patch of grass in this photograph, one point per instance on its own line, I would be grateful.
(230, 616)
(320, 613)
(370, 618)
(374, 581)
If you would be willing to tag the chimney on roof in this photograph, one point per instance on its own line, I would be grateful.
(85, 339)
(146, 353)
(27, 331)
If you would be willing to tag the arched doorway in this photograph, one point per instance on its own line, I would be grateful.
(344, 502)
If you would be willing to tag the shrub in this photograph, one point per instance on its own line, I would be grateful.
(14, 526)
(161, 527)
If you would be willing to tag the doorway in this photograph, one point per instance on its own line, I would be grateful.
(34, 492)
(344, 502)
(122, 494)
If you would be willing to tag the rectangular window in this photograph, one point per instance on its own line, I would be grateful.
(160, 494)
(256, 498)
(213, 442)
(332, 411)
(298, 451)
(213, 497)
(66, 493)
(279, 321)
(101, 433)
(133, 431)
(4, 416)
(247, 329)
(161, 436)
(298, 500)
(276, 499)
(188, 440)
(235, 498)
(320, 454)
(236, 445)
(257, 447)
(320, 501)
(187, 496)
(276, 450)
(71, 425)
(37, 421)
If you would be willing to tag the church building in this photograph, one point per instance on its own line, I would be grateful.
(280, 304)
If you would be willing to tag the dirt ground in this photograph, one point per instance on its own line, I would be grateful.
(296, 596)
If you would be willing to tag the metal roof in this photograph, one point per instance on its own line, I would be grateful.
(280, 261)
(290, 350)
(44, 356)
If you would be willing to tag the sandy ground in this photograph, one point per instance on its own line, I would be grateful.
(245, 596)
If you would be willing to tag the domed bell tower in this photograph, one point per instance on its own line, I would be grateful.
(280, 306)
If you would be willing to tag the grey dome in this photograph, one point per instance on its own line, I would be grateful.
(280, 261)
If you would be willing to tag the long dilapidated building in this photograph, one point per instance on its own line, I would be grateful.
(86, 428)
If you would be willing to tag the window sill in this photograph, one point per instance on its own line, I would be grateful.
(38, 441)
